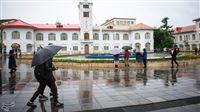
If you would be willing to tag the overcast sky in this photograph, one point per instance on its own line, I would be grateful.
(150, 12)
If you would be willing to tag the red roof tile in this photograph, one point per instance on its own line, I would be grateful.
(17, 23)
(185, 29)
(54, 27)
(140, 26)
(22, 24)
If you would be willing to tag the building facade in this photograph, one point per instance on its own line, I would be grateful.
(82, 38)
(187, 38)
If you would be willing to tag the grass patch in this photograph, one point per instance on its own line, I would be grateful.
(58, 58)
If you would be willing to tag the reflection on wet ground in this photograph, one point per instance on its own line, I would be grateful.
(99, 88)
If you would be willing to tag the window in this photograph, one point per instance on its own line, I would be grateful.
(147, 35)
(75, 48)
(86, 36)
(180, 38)
(74, 36)
(199, 37)
(15, 35)
(39, 36)
(63, 36)
(116, 46)
(96, 48)
(147, 46)
(96, 36)
(85, 6)
(117, 22)
(116, 36)
(85, 14)
(105, 36)
(137, 36)
(125, 37)
(4, 35)
(52, 36)
(106, 47)
(29, 48)
(193, 36)
(28, 35)
(64, 48)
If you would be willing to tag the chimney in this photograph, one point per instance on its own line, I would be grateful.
(59, 25)
(178, 29)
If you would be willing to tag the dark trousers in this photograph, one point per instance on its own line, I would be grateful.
(41, 88)
(172, 62)
(145, 63)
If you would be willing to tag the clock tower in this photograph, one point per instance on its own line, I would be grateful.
(86, 26)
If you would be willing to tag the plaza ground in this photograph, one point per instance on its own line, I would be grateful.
(106, 90)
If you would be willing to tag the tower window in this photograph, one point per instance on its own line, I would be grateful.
(85, 6)
(85, 14)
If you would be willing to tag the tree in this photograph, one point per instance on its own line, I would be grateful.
(162, 36)
(165, 23)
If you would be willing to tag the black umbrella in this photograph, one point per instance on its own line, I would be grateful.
(126, 47)
(44, 54)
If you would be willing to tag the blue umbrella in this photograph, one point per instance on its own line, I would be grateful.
(44, 54)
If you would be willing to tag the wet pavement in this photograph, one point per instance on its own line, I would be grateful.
(120, 90)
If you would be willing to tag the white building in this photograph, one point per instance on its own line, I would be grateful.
(187, 38)
(78, 39)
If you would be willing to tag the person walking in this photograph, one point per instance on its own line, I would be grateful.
(12, 62)
(44, 75)
(144, 57)
(173, 54)
(126, 57)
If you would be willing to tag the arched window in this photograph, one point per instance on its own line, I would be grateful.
(15, 35)
(63, 36)
(74, 36)
(95, 36)
(39, 36)
(137, 36)
(105, 36)
(4, 35)
(180, 38)
(138, 47)
(28, 35)
(125, 37)
(147, 46)
(86, 36)
(194, 46)
(29, 48)
(187, 47)
(193, 37)
(147, 35)
(181, 47)
(116, 36)
(52, 36)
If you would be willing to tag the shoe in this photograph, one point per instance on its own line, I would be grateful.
(43, 98)
(58, 104)
(31, 104)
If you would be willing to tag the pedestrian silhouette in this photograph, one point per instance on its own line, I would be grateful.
(173, 77)
(173, 54)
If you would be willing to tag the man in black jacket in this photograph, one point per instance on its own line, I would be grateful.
(173, 53)
(44, 75)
